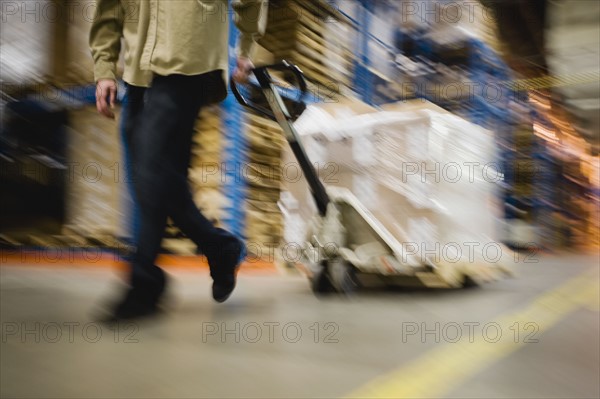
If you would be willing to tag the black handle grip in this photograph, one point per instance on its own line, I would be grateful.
(243, 101)
(264, 80)
(285, 66)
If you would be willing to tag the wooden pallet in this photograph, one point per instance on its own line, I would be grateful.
(298, 32)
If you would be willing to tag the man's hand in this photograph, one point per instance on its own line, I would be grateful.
(106, 93)
(243, 69)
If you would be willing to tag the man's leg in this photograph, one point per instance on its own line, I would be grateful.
(180, 204)
(216, 243)
(151, 282)
(132, 108)
(156, 143)
(161, 142)
(141, 298)
(222, 248)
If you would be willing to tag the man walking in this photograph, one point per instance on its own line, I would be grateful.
(176, 61)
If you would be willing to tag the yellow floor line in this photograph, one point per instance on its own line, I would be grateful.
(448, 366)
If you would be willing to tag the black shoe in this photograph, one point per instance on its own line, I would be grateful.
(134, 306)
(228, 263)
(138, 302)
(222, 291)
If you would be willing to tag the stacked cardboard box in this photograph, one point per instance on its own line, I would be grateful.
(524, 165)
(96, 178)
(25, 41)
(591, 169)
(79, 65)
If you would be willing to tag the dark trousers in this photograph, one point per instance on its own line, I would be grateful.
(159, 125)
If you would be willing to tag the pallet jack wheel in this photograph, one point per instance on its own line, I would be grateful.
(320, 282)
(343, 276)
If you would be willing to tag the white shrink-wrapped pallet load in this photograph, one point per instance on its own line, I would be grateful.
(427, 176)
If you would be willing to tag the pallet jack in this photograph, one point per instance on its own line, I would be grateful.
(345, 240)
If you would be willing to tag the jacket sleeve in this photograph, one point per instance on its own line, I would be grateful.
(251, 19)
(105, 38)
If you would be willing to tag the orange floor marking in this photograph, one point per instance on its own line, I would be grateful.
(68, 257)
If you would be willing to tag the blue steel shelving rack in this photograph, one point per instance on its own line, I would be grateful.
(484, 66)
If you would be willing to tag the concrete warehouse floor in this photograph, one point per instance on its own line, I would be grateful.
(382, 343)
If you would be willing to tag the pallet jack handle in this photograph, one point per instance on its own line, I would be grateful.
(280, 113)
(264, 79)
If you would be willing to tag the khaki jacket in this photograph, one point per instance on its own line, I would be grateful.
(188, 37)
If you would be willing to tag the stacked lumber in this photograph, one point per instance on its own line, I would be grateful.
(263, 176)
(206, 174)
(310, 34)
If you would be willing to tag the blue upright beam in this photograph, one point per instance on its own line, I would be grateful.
(131, 209)
(234, 154)
(362, 82)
